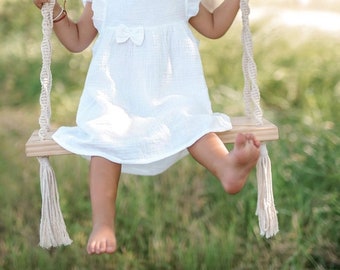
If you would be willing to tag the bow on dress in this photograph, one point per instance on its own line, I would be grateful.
(135, 34)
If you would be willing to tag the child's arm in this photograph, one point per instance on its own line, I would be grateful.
(75, 36)
(215, 25)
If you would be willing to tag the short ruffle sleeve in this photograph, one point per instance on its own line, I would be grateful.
(192, 8)
(99, 11)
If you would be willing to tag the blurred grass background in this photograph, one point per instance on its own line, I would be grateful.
(182, 219)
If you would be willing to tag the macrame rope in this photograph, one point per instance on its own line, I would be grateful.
(251, 91)
(45, 74)
(52, 226)
(265, 210)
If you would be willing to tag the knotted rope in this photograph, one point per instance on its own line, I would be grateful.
(266, 211)
(52, 226)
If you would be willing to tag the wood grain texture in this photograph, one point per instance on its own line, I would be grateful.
(35, 147)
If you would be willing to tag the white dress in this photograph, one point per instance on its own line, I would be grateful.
(145, 99)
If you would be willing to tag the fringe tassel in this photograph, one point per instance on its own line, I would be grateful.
(52, 226)
(265, 211)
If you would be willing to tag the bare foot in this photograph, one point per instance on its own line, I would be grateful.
(241, 160)
(102, 240)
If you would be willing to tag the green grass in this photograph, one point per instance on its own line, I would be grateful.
(181, 219)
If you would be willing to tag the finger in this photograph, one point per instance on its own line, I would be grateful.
(40, 3)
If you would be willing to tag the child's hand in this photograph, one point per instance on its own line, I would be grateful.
(39, 3)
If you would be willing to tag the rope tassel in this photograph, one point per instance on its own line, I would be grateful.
(52, 226)
(265, 210)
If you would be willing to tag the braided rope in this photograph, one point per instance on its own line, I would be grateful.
(251, 92)
(45, 74)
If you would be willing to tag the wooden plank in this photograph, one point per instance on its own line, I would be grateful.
(35, 147)
(266, 132)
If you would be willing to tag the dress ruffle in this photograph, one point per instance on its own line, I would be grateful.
(192, 8)
(145, 99)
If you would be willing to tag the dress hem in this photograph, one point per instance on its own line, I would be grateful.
(180, 151)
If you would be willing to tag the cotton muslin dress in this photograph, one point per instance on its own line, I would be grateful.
(145, 99)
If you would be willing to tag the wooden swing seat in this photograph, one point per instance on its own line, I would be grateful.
(36, 147)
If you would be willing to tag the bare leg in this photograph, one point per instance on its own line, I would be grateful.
(104, 178)
(233, 168)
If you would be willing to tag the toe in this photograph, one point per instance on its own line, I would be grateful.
(91, 247)
(250, 138)
(101, 247)
(240, 139)
(110, 247)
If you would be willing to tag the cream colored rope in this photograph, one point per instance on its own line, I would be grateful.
(53, 231)
(266, 211)
(251, 92)
(45, 74)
